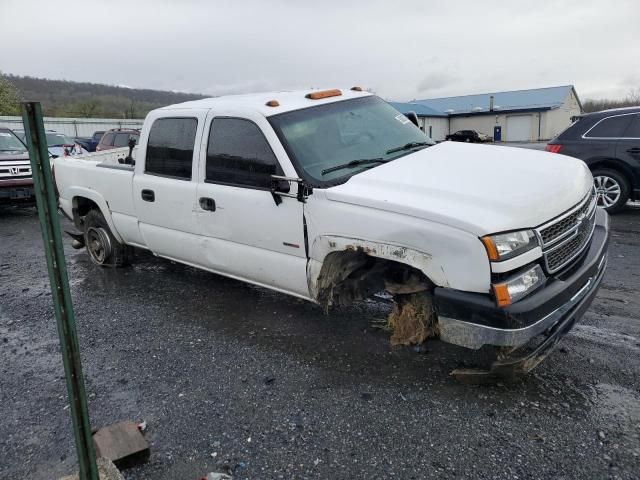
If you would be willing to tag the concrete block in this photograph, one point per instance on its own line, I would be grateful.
(122, 443)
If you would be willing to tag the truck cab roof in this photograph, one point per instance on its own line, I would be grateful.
(286, 100)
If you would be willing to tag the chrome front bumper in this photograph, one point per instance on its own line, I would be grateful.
(474, 336)
(473, 320)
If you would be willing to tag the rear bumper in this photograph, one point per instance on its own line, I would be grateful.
(472, 320)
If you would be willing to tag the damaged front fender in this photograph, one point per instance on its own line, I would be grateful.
(333, 259)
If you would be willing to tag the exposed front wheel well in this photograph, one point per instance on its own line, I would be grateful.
(350, 275)
(353, 274)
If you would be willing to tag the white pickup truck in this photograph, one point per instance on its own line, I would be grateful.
(333, 196)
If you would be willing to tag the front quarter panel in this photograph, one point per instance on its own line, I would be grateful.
(448, 256)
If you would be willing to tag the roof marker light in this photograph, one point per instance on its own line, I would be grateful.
(323, 94)
(356, 89)
(272, 103)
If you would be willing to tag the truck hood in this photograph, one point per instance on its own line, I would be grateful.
(482, 189)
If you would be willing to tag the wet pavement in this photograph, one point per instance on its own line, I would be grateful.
(234, 377)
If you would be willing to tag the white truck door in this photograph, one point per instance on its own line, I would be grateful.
(245, 234)
(164, 186)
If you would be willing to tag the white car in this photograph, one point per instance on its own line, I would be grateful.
(333, 196)
(58, 144)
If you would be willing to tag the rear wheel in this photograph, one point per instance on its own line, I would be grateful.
(612, 189)
(101, 245)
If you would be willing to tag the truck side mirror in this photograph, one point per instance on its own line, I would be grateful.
(280, 186)
(128, 160)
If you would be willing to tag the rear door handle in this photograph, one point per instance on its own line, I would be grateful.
(148, 195)
(208, 204)
(634, 150)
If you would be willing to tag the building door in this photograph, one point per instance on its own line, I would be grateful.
(519, 128)
(497, 133)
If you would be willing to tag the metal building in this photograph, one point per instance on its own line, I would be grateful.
(516, 116)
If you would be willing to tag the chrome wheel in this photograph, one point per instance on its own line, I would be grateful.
(98, 244)
(608, 190)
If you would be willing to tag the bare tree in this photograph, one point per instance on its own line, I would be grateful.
(130, 111)
(633, 97)
(87, 109)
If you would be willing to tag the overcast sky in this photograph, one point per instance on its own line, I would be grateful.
(400, 49)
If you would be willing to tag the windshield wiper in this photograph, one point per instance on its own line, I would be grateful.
(408, 146)
(353, 163)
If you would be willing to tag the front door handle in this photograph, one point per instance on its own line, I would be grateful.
(634, 150)
(208, 204)
(148, 195)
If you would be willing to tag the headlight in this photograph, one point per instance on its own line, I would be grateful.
(508, 245)
(518, 286)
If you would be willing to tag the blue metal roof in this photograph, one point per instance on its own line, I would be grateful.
(419, 109)
(534, 99)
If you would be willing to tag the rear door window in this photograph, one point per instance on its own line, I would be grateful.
(239, 154)
(107, 139)
(610, 127)
(170, 147)
(122, 140)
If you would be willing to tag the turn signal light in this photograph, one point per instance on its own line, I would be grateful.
(501, 292)
(555, 148)
(323, 94)
(518, 286)
(492, 251)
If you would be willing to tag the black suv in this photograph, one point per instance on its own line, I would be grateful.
(609, 143)
(468, 136)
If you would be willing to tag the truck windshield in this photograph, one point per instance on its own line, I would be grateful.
(10, 143)
(330, 143)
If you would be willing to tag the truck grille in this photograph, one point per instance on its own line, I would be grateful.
(565, 238)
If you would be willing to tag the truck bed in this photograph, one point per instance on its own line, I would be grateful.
(86, 175)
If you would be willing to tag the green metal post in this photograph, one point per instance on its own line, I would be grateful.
(47, 212)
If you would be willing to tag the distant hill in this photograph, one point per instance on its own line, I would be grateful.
(63, 98)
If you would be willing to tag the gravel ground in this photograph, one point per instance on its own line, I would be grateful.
(231, 376)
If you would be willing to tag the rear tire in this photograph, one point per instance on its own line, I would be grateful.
(612, 189)
(103, 248)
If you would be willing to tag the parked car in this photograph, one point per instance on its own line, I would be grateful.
(16, 183)
(469, 136)
(58, 144)
(609, 143)
(90, 143)
(117, 138)
(330, 196)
